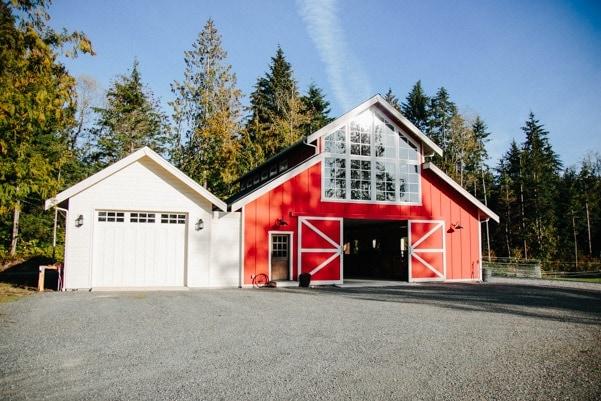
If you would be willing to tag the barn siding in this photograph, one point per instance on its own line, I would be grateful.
(301, 196)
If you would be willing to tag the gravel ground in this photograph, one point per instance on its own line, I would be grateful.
(502, 340)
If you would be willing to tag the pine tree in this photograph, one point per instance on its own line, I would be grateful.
(441, 111)
(417, 107)
(207, 113)
(131, 119)
(277, 118)
(316, 108)
(393, 100)
(37, 98)
(508, 237)
(541, 176)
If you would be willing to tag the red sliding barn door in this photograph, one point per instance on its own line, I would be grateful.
(427, 250)
(320, 248)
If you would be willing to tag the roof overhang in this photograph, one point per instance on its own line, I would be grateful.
(469, 197)
(144, 152)
(430, 148)
(270, 185)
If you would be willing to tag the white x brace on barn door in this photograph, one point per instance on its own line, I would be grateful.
(138, 249)
(427, 261)
(320, 248)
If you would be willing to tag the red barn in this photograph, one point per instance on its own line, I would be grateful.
(358, 198)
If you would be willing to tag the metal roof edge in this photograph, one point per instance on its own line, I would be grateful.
(244, 200)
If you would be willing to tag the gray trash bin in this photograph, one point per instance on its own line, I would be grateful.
(486, 273)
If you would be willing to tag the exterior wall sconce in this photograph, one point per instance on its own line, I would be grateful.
(281, 222)
(79, 221)
(454, 226)
(200, 224)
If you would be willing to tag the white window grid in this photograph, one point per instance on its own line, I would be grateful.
(105, 216)
(173, 218)
(359, 166)
(136, 217)
(280, 246)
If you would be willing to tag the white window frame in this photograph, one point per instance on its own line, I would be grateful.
(402, 166)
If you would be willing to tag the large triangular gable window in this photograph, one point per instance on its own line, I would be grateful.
(370, 160)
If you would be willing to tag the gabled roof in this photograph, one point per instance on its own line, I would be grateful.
(239, 200)
(469, 197)
(124, 163)
(429, 146)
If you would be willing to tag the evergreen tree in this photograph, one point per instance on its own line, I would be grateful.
(130, 120)
(505, 198)
(277, 118)
(207, 114)
(417, 107)
(393, 100)
(541, 176)
(475, 167)
(317, 108)
(578, 204)
(589, 188)
(37, 98)
(440, 117)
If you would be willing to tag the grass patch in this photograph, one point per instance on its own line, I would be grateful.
(10, 292)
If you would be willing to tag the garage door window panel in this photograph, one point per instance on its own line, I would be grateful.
(111, 217)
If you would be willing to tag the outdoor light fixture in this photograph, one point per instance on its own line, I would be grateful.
(281, 222)
(79, 221)
(454, 226)
(200, 224)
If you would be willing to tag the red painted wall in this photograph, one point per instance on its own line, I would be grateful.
(301, 196)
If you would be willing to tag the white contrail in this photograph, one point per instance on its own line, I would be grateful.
(347, 78)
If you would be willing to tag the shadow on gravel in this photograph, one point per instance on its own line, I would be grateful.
(555, 303)
(26, 273)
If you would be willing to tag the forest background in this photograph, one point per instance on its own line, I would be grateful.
(56, 129)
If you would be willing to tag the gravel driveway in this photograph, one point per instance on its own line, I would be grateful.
(503, 340)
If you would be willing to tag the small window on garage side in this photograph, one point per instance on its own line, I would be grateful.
(135, 217)
(173, 218)
(111, 217)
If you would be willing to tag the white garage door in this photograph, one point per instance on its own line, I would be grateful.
(138, 249)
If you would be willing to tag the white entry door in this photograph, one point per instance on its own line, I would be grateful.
(139, 249)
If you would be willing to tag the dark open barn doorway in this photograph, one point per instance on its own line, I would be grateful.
(375, 249)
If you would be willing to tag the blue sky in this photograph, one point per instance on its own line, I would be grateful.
(497, 59)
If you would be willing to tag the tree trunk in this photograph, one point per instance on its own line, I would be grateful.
(15, 232)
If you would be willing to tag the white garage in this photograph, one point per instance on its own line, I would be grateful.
(142, 223)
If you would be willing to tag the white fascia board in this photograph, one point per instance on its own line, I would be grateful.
(126, 161)
(275, 183)
(471, 198)
(378, 100)
(405, 122)
(343, 119)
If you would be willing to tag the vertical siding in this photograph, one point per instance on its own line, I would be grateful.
(225, 257)
(301, 196)
(146, 186)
